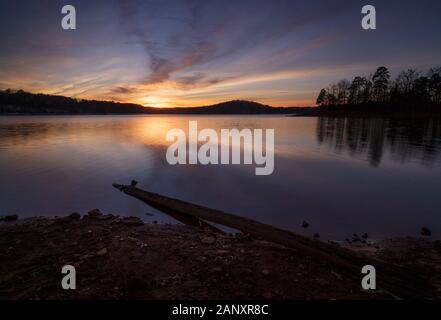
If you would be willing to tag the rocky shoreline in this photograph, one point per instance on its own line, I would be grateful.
(123, 258)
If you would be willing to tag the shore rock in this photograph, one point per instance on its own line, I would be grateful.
(95, 213)
(75, 216)
(106, 217)
(208, 240)
(101, 252)
(222, 252)
(132, 221)
(8, 218)
(426, 232)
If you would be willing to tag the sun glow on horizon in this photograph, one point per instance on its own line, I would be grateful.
(218, 55)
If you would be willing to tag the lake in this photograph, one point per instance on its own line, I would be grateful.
(342, 176)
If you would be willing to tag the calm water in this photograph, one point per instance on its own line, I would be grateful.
(343, 176)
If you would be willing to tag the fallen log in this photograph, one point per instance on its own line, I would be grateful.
(398, 281)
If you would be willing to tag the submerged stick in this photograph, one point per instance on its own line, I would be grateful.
(396, 280)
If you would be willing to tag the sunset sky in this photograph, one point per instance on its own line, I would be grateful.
(191, 53)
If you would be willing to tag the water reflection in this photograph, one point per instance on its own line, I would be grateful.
(57, 165)
(404, 140)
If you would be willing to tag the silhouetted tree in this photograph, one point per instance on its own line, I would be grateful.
(355, 90)
(343, 91)
(366, 89)
(321, 99)
(332, 94)
(25, 102)
(331, 99)
(435, 84)
(406, 80)
(421, 89)
(380, 83)
(408, 87)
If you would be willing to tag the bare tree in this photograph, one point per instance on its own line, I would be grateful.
(354, 90)
(343, 91)
(434, 76)
(406, 80)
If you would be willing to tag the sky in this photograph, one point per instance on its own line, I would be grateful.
(184, 53)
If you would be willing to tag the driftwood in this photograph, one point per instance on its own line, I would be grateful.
(398, 281)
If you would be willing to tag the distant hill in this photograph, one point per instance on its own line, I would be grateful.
(21, 102)
(234, 107)
(230, 107)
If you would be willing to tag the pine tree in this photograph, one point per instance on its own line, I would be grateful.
(321, 99)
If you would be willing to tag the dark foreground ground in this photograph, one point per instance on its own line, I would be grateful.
(121, 258)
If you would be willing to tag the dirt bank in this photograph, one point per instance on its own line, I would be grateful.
(122, 258)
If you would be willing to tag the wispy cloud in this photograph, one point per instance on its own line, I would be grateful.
(193, 52)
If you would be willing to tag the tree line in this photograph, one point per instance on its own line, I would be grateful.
(408, 87)
(21, 102)
(12, 101)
